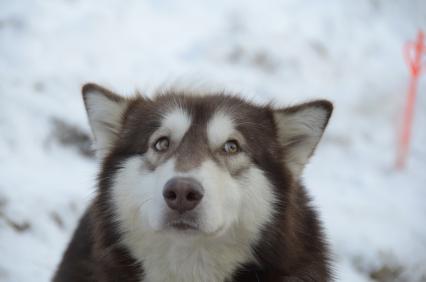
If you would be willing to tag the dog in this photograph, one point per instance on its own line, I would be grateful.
(199, 188)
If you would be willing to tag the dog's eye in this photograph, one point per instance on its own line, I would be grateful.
(231, 147)
(162, 144)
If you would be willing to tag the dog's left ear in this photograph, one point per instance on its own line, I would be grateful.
(300, 129)
(105, 111)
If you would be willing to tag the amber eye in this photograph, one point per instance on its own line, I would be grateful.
(162, 144)
(231, 147)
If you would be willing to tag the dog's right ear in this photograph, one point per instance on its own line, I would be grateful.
(105, 111)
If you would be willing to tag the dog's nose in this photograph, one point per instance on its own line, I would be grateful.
(183, 193)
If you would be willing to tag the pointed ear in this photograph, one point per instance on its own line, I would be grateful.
(300, 129)
(105, 110)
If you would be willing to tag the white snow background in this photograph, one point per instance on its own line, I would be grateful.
(287, 50)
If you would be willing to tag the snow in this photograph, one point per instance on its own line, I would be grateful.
(286, 51)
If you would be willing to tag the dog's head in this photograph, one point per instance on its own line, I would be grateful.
(199, 165)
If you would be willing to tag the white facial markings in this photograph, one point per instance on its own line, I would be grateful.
(219, 129)
(177, 122)
(174, 126)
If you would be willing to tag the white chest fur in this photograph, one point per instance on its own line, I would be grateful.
(172, 258)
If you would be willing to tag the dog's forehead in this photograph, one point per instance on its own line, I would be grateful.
(204, 108)
(217, 115)
(212, 118)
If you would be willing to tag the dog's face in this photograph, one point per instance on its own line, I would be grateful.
(200, 165)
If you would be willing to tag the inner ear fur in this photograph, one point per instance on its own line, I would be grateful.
(105, 110)
(299, 129)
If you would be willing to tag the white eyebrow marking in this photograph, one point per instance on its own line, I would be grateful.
(178, 122)
(220, 128)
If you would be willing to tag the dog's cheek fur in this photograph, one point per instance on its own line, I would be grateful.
(222, 199)
(137, 195)
(258, 201)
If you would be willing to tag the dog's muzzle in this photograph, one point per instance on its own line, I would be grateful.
(183, 195)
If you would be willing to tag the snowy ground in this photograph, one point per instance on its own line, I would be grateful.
(289, 51)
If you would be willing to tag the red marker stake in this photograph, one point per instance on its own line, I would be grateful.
(413, 53)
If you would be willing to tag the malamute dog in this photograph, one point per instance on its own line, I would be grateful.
(199, 188)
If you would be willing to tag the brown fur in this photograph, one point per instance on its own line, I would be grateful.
(291, 248)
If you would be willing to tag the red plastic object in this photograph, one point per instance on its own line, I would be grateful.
(413, 54)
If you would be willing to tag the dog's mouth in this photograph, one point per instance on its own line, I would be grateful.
(183, 225)
(182, 222)
(190, 225)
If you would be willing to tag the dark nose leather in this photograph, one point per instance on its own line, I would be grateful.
(183, 193)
